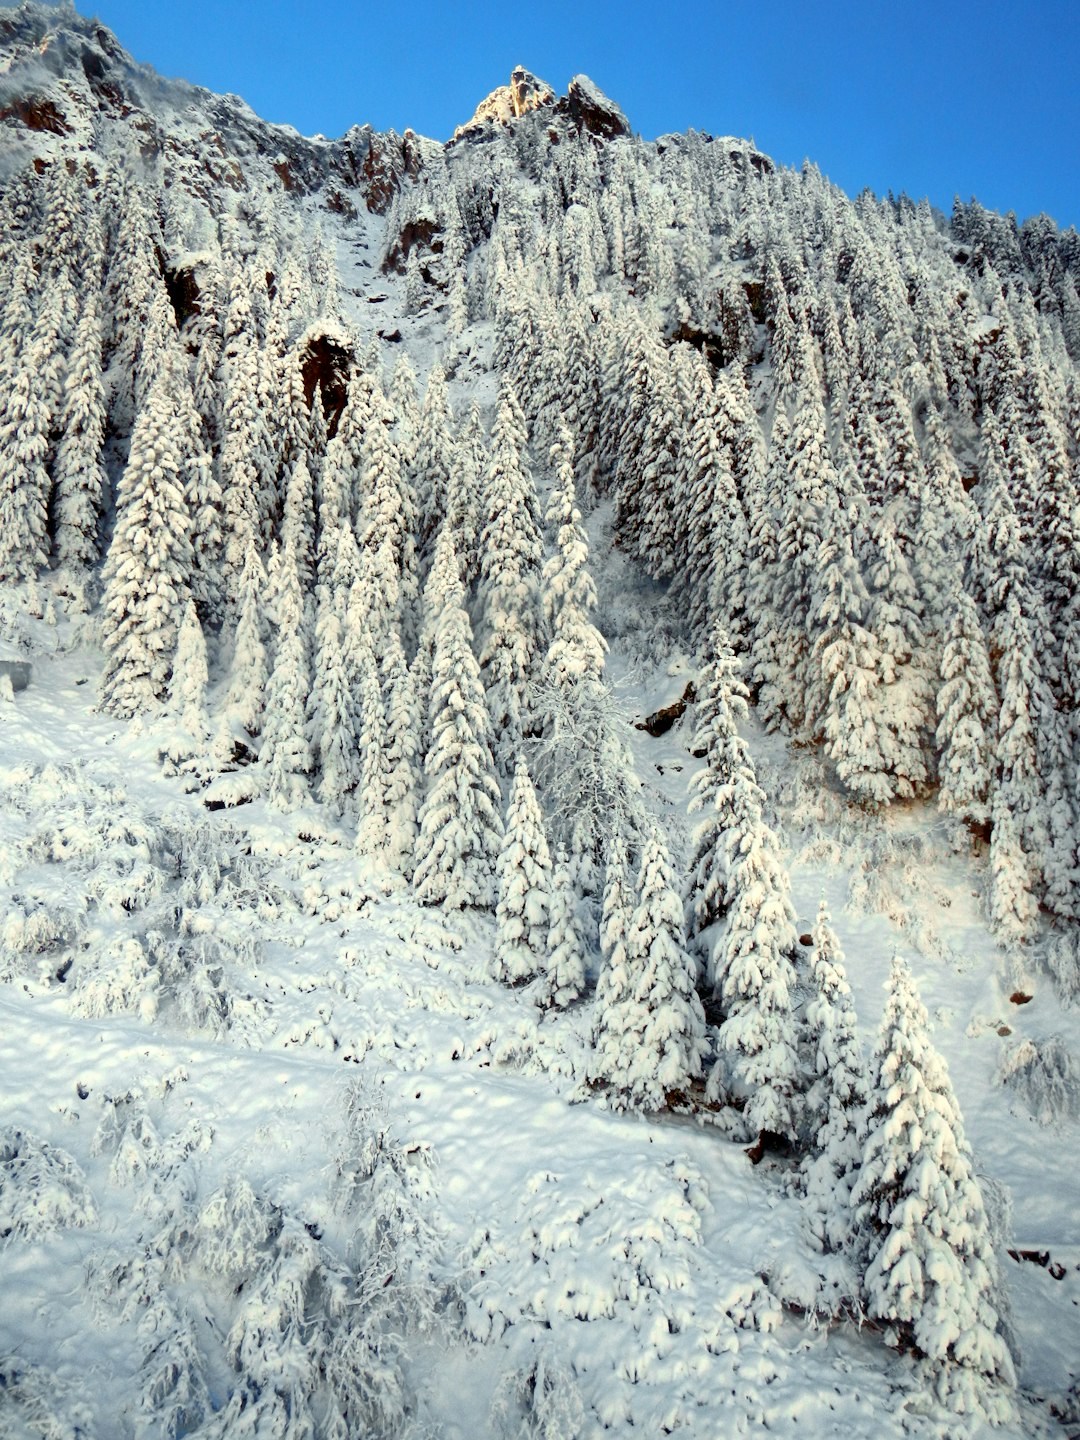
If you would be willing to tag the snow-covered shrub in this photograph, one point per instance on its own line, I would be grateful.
(34, 927)
(1063, 962)
(1046, 1077)
(118, 978)
(42, 1188)
(386, 1188)
(35, 1405)
(542, 1401)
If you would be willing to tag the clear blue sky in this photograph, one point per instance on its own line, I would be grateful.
(954, 97)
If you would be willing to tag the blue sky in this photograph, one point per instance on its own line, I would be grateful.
(937, 99)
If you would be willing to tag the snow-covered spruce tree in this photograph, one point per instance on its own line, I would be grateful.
(371, 834)
(245, 699)
(810, 487)
(722, 702)
(564, 973)
(147, 573)
(284, 753)
(79, 475)
(967, 716)
(248, 462)
(1019, 838)
(712, 515)
(568, 594)
(755, 974)
(510, 553)
(523, 885)
(186, 706)
(837, 1096)
(460, 825)
(904, 701)
(387, 524)
(846, 676)
(650, 1027)
(403, 759)
(332, 710)
(24, 437)
(435, 463)
(928, 1267)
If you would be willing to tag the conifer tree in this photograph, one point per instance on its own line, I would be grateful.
(564, 974)
(371, 834)
(459, 822)
(568, 594)
(187, 693)
(754, 972)
(404, 732)
(524, 885)
(24, 437)
(246, 697)
(929, 1270)
(333, 718)
(966, 707)
(837, 1096)
(435, 463)
(510, 551)
(722, 702)
(79, 475)
(285, 753)
(846, 677)
(650, 1037)
(147, 571)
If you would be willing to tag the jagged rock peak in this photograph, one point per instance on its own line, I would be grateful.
(584, 103)
(525, 92)
(591, 109)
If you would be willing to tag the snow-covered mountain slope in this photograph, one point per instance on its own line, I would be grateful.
(418, 1014)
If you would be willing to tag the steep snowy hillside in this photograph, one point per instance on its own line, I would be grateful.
(539, 853)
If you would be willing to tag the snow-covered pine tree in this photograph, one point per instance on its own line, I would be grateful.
(459, 822)
(371, 832)
(929, 1270)
(967, 716)
(147, 574)
(332, 711)
(837, 1096)
(284, 753)
(846, 676)
(650, 1027)
(510, 555)
(404, 731)
(79, 479)
(435, 463)
(24, 436)
(722, 702)
(1019, 839)
(576, 653)
(186, 706)
(245, 700)
(754, 971)
(564, 973)
(523, 877)
(905, 700)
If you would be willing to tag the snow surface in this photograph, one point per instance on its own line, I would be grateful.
(649, 1254)
(631, 1275)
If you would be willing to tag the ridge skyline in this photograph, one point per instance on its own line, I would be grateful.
(880, 113)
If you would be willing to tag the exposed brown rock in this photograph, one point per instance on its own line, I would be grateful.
(591, 110)
(422, 232)
(661, 721)
(183, 292)
(37, 115)
(327, 363)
